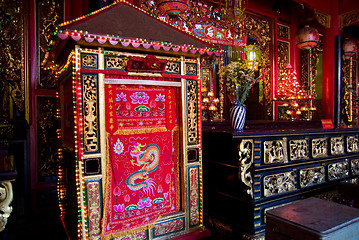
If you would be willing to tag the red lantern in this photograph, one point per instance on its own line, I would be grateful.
(307, 38)
(350, 48)
(172, 7)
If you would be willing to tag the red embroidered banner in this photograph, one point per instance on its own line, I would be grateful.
(133, 107)
(142, 181)
(143, 154)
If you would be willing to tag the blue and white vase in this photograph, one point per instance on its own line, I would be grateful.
(238, 117)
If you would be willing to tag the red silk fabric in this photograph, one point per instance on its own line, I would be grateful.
(143, 154)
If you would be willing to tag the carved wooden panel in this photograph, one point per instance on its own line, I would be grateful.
(90, 113)
(338, 170)
(352, 144)
(192, 111)
(311, 176)
(354, 165)
(279, 183)
(298, 149)
(319, 147)
(275, 151)
(337, 145)
(46, 138)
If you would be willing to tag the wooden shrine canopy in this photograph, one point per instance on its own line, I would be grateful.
(123, 25)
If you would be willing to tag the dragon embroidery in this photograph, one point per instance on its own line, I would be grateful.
(147, 157)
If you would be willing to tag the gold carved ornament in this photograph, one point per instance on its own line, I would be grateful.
(311, 176)
(322, 18)
(192, 111)
(12, 68)
(348, 18)
(338, 170)
(50, 12)
(279, 183)
(245, 162)
(6, 196)
(261, 31)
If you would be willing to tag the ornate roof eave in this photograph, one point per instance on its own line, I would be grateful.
(82, 30)
(139, 44)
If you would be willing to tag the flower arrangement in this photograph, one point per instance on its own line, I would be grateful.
(240, 76)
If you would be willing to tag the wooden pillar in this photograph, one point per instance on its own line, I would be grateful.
(338, 88)
(330, 65)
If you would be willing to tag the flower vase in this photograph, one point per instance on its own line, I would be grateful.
(238, 112)
(238, 117)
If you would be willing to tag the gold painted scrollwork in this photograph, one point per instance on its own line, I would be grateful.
(89, 60)
(323, 18)
(192, 111)
(173, 67)
(50, 15)
(349, 18)
(283, 56)
(245, 162)
(94, 209)
(283, 31)
(91, 141)
(260, 30)
(12, 62)
(191, 69)
(46, 134)
(118, 63)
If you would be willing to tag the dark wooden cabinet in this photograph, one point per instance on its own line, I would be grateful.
(248, 173)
